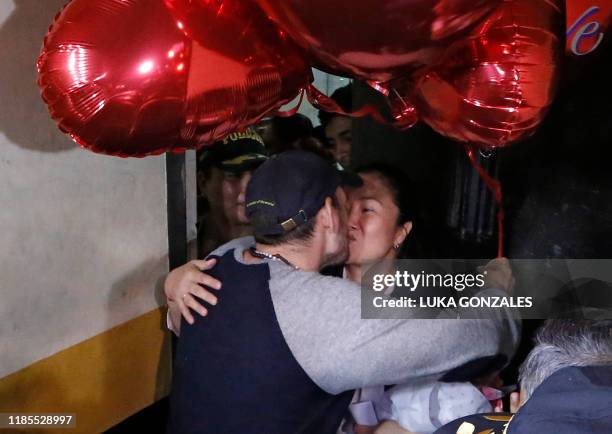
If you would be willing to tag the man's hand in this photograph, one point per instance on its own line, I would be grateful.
(183, 284)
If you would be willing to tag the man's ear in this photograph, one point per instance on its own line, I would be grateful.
(326, 216)
(401, 233)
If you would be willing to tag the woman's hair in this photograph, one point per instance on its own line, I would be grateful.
(406, 197)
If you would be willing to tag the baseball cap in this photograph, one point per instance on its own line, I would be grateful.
(236, 153)
(289, 189)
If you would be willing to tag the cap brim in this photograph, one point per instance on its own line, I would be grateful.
(242, 162)
(477, 423)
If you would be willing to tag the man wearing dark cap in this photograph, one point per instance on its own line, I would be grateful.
(283, 350)
(224, 169)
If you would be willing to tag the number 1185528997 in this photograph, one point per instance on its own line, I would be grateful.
(22, 420)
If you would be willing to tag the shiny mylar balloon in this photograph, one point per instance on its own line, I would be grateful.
(495, 86)
(122, 78)
(375, 39)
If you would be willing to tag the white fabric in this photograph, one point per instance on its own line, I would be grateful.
(425, 408)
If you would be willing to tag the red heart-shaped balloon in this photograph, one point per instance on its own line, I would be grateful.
(123, 78)
(376, 39)
(495, 86)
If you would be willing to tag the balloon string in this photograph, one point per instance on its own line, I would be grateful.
(495, 187)
(322, 102)
(294, 110)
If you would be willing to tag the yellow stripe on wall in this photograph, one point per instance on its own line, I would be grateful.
(103, 380)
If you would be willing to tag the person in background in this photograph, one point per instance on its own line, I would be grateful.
(224, 169)
(223, 172)
(566, 385)
(282, 133)
(292, 133)
(337, 128)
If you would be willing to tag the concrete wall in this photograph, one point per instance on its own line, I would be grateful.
(83, 237)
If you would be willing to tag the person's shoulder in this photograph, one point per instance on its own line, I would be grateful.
(238, 243)
(284, 276)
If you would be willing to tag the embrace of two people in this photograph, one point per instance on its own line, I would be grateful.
(284, 349)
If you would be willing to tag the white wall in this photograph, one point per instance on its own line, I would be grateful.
(83, 237)
(326, 83)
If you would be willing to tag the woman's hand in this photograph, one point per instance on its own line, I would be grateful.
(498, 274)
(515, 402)
(183, 285)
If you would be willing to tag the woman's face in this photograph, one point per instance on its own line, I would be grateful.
(373, 228)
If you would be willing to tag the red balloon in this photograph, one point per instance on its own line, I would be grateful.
(375, 39)
(122, 78)
(495, 86)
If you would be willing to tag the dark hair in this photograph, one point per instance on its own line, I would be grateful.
(314, 145)
(343, 96)
(291, 129)
(401, 187)
(406, 197)
(301, 233)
